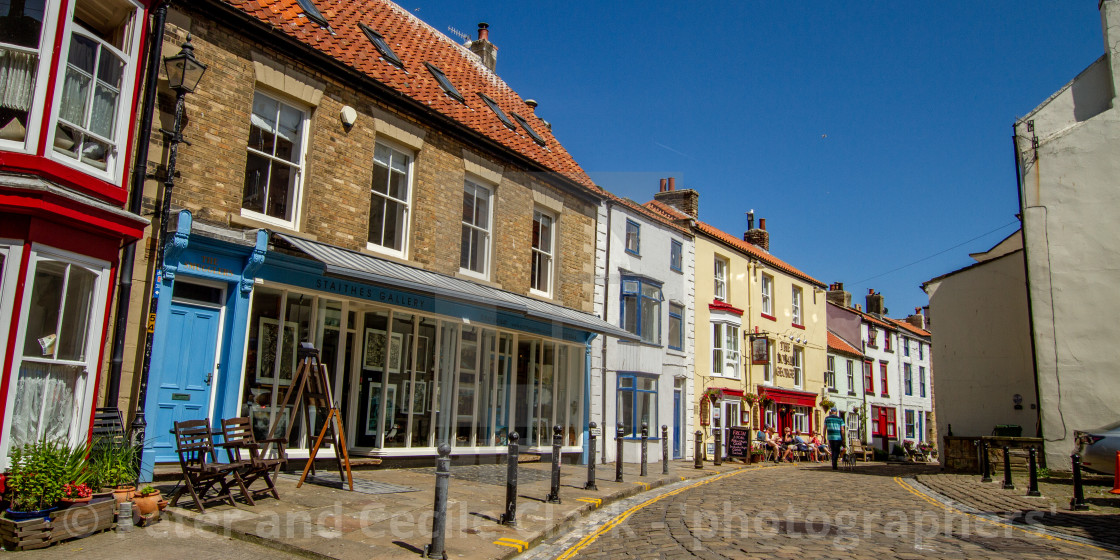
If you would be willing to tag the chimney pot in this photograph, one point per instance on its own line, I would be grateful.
(486, 51)
(762, 224)
(662, 189)
(672, 183)
(750, 219)
(483, 31)
(532, 103)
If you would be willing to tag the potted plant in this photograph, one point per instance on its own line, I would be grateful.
(756, 456)
(112, 466)
(147, 500)
(749, 399)
(827, 404)
(75, 493)
(767, 401)
(35, 479)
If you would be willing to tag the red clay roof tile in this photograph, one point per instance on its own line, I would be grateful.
(415, 42)
(840, 345)
(755, 252)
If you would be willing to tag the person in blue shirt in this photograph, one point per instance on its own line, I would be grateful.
(834, 433)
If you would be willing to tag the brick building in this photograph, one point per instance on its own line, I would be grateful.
(358, 181)
(69, 73)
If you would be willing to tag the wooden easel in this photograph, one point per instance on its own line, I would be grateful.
(312, 387)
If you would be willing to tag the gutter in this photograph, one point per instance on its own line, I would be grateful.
(136, 200)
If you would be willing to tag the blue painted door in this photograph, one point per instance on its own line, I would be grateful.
(184, 380)
(677, 435)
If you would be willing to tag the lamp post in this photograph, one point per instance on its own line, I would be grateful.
(184, 71)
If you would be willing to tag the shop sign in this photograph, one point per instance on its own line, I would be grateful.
(783, 360)
(760, 350)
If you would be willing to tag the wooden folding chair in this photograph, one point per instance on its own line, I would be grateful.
(201, 469)
(243, 447)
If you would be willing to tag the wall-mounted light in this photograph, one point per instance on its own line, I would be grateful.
(1018, 399)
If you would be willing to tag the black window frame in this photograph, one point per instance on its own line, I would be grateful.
(382, 46)
(445, 82)
(312, 12)
(497, 110)
(525, 124)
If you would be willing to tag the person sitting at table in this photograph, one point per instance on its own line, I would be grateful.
(774, 443)
(818, 449)
(789, 444)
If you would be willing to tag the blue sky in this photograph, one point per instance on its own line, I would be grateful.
(874, 137)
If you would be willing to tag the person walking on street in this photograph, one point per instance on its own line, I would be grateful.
(834, 433)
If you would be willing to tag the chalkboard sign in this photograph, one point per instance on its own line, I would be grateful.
(739, 442)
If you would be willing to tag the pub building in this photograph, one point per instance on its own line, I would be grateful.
(359, 182)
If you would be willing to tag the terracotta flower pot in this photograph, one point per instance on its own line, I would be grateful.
(123, 493)
(70, 502)
(147, 504)
(162, 504)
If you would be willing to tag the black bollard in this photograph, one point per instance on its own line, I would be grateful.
(1032, 489)
(439, 515)
(557, 440)
(591, 458)
(1078, 501)
(1007, 483)
(618, 438)
(985, 464)
(717, 460)
(699, 442)
(645, 440)
(664, 449)
(510, 516)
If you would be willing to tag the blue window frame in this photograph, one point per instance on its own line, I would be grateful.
(633, 237)
(676, 326)
(637, 403)
(676, 255)
(641, 308)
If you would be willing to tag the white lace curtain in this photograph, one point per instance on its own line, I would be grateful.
(17, 79)
(46, 395)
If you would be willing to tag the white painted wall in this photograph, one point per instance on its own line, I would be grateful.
(982, 348)
(1070, 193)
(667, 364)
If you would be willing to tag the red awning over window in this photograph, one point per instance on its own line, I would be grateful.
(788, 396)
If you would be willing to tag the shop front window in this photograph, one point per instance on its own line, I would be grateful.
(444, 397)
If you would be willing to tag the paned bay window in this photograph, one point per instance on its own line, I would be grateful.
(725, 349)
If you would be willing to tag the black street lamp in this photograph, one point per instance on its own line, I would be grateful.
(184, 71)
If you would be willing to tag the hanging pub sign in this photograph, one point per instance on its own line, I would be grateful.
(705, 410)
(760, 350)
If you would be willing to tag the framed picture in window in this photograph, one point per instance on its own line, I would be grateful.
(373, 354)
(418, 398)
(268, 335)
(395, 352)
(373, 407)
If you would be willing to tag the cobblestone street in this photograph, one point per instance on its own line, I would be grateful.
(809, 511)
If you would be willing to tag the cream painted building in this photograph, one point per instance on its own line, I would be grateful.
(1069, 168)
(750, 302)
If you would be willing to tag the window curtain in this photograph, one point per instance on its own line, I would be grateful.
(46, 399)
(17, 79)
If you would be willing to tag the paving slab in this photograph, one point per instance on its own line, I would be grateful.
(317, 521)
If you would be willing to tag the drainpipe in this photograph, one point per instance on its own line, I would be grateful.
(608, 427)
(135, 203)
(1027, 276)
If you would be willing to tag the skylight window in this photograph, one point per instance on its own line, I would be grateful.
(379, 41)
(313, 13)
(444, 83)
(532, 133)
(497, 110)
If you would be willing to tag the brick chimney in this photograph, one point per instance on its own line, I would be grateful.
(684, 200)
(837, 295)
(758, 237)
(484, 48)
(875, 303)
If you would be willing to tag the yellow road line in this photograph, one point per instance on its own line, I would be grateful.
(521, 546)
(939, 504)
(511, 545)
(595, 501)
(626, 514)
(644, 484)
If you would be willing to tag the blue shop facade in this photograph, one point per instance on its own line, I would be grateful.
(414, 358)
